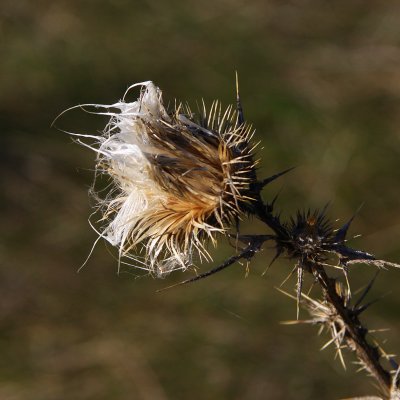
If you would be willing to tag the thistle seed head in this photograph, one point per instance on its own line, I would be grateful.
(178, 179)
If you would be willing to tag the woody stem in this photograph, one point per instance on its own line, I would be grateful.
(355, 331)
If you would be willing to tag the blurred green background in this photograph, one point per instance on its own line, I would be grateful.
(321, 83)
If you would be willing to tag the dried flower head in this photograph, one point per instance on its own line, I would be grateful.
(178, 178)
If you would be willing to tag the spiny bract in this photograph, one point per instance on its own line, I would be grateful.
(178, 179)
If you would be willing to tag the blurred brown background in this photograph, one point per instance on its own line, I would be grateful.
(321, 83)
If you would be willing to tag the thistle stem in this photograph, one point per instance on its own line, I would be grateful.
(355, 335)
(355, 331)
(263, 214)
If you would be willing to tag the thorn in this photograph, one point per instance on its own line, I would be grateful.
(342, 232)
(300, 275)
(339, 352)
(238, 103)
(247, 253)
(285, 293)
(362, 308)
(366, 290)
(276, 256)
(328, 343)
(379, 330)
(326, 206)
(266, 181)
(247, 239)
(346, 275)
(311, 287)
(247, 268)
(396, 377)
(348, 256)
(271, 205)
(289, 276)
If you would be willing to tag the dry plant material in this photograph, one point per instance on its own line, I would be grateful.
(180, 179)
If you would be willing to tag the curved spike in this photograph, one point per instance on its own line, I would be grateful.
(340, 236)
(366, 290)
(271, 205)
(270, 179)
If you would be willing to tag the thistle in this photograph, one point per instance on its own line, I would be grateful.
(178, 179)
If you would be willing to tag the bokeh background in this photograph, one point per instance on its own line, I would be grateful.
(321, 83)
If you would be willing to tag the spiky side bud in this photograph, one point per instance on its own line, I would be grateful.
(310, 235)
(179, 179)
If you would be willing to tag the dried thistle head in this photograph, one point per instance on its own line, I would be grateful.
(178, 179)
